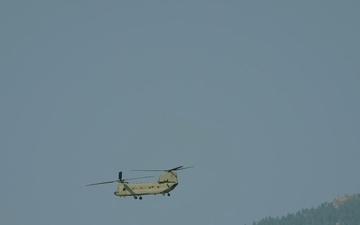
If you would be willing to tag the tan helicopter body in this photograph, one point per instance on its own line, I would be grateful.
(167, 182)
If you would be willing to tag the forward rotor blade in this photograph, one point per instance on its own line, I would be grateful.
(120, 175)
(174, 169)
(184, 168)
(106, 182)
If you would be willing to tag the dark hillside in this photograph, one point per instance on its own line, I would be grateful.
(342, 211)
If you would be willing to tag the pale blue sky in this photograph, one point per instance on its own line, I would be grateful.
(262, 97)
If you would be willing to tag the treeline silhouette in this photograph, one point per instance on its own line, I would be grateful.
(342, 211)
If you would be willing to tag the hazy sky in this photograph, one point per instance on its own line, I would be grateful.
(262, 97)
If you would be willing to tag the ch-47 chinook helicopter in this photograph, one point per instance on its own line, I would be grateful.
(167, 182)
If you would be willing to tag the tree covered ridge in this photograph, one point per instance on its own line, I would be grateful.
(342, 211)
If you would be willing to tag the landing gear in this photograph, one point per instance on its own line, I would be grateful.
(168, 194)
(135, 197)
(140, 197)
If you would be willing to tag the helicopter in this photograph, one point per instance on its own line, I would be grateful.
(167, 182)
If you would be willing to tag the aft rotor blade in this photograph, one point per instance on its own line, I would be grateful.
(106, 182)
(173, 169)
(138, 178)
(176, 168)
(149, 170)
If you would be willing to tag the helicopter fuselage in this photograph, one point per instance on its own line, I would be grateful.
(166, 183)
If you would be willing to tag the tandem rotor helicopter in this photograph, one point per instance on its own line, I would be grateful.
(167, 182)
